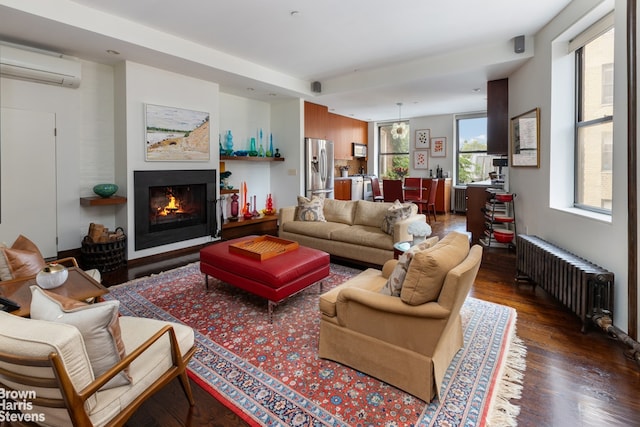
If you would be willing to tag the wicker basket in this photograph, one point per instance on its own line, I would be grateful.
(106, 256)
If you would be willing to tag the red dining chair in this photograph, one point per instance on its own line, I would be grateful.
(375, 189)
(431, 203)
(392, 190)
(413, 192)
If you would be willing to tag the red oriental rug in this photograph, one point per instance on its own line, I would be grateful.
(270, 374)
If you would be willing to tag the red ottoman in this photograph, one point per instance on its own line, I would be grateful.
(274, 279)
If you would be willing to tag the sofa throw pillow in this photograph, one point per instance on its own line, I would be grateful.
(310, 210)
(428, 268)
(98, 324)
(397, 212)
(22, 259)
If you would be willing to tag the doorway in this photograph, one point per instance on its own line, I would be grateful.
(28, 201)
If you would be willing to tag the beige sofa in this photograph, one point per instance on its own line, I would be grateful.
(409, 340)
(352, 230)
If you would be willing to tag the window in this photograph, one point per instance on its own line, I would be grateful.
(394, 152)
(474, 164)
(594, 122)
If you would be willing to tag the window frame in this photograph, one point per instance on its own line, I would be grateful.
(383, 154)
(458, 118)
(580, 123)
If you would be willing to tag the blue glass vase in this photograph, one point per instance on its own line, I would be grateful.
(229, 143)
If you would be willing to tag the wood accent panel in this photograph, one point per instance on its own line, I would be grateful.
(632, 165)
(320, 123)
(498, 117)
(316, 120)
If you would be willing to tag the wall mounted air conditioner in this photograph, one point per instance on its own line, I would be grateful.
(38, 66)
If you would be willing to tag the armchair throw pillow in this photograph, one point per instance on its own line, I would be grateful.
(428, 269)
(393, 287)
(22, 259)
(98, 324)
(310, 209)
(397, 212)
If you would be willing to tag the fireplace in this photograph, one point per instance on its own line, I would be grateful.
(173, 205)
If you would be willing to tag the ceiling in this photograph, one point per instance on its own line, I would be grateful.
(368, 55)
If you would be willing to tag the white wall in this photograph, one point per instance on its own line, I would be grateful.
(84, 144)
(245, 117)
(141, 85)
(602, 242)
(287, 118)
(440, 126)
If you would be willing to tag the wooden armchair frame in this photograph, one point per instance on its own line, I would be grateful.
(74, 401)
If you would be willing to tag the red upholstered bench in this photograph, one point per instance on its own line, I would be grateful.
(275, 278)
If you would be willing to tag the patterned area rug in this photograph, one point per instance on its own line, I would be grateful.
(270, 374)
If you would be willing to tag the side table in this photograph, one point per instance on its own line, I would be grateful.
(400, 248)
(267, 224)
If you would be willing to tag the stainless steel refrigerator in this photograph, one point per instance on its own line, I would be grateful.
(318, 168)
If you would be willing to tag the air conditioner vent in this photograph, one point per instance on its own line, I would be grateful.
(38, 67)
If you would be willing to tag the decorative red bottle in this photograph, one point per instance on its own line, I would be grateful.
(234, 206)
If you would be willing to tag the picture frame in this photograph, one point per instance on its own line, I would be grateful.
(176, 134)
(423, 137)
(525, 139)
(439, 146)
(420, 160)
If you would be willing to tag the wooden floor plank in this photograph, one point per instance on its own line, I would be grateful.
(572, 379)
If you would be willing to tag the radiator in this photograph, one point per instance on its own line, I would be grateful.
(583, 287)
(459, 199)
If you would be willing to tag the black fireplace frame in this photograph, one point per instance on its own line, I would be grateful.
(143, 180)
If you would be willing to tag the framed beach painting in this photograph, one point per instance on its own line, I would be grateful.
(176, 134)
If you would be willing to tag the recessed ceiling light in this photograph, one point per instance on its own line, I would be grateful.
(113, 52)
(476, 89)
(250, 89)
(294, 13)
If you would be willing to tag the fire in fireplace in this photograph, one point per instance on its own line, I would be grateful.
(173, 205)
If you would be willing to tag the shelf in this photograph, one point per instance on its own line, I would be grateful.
(102, 201)
(252, 159)
(229, 191)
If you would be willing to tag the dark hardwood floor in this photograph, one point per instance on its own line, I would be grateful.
(571, 379)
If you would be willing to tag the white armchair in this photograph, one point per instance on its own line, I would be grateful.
(48, 362)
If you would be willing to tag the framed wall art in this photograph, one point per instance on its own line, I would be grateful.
(525, 139)
(439, 146)
(176, 134)
(420, 160)
(422, 139)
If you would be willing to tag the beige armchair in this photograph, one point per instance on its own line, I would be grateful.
(50, 365)
(403, 340)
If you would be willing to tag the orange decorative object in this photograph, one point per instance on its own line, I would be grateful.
(263, 247)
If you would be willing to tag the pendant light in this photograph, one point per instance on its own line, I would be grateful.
(399, 129)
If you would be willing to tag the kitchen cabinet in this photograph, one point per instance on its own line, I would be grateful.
(342, 189)
(316, 121)
(498, 117)
(341, 130)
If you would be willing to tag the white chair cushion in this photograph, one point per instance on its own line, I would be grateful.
(98, 323)
(145, 369)
(38, 338)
